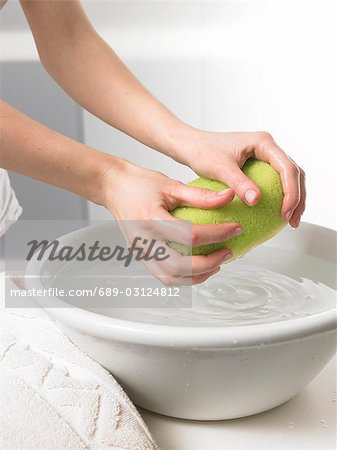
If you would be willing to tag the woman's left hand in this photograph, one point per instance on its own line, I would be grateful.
(220, 155)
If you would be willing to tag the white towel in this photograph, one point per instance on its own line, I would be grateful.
(53, 396)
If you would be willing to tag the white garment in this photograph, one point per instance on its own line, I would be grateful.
(53, 396)
(10, 209)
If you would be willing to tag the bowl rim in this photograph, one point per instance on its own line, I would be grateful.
(142, 333)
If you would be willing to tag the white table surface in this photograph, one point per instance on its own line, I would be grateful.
(306, 422)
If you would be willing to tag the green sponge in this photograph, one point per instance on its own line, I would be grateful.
(260, 222)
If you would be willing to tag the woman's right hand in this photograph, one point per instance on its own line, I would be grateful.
(146, 198)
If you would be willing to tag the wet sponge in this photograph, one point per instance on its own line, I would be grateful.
(260, 222)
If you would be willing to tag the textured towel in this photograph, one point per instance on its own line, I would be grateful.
(53, 396)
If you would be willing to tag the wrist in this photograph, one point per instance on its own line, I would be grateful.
(112, 175)
(102, 167)
(184, 140)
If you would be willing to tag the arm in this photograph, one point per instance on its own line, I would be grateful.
(34, 150)
(89, 70)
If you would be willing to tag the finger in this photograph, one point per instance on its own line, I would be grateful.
(167, 227)
(162, 227)
(179, 270)
(185, 266)
(176, 265)
(289, 173)
(166, 280)
(201, 278)
(198, 235)
(187, 281)
(213, 234)
(201, 198)
(207, 263)
(243, 187)
(169, 271)
(296, 217)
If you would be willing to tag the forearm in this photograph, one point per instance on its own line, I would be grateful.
(89, 70)
(98, 80)
(33, 150)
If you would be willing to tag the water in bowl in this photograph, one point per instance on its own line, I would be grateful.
(267, 285)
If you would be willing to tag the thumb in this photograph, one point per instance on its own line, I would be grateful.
(244, 188)
(203, 198)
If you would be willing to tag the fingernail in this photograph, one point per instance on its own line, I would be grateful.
(223, 192)
(237, 231)
(288, 215)
(250, 195)
(227, 256)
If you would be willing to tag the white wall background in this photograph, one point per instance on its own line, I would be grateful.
(233, 65)
(225, 65)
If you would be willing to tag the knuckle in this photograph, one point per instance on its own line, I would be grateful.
(147, 224)
(293, 169)
(295, 198)
(194, 238)
(228, 232)
(239, 183)
(205, 194)
(174, 188)
(263, 135)
(225, 229)
(177, 185)
(150, 226)
(236, 183)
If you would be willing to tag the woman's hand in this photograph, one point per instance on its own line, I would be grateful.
(145, 197)
(221, 155)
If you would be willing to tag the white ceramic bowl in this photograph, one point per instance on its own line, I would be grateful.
(206, 373)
